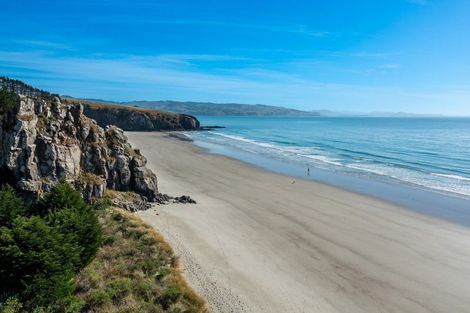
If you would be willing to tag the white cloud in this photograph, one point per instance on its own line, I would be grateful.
(42, 44)
(389, 66)
(293, 28)
(131, 78)
(419, 2)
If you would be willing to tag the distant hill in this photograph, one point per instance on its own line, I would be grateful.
(218, 109)
(221, 109)
(133, 118)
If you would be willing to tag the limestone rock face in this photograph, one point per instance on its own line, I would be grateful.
(43, 141)
(138, 119)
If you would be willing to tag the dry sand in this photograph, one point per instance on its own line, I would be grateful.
(256, 242)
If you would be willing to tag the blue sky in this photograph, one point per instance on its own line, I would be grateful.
(388, 55)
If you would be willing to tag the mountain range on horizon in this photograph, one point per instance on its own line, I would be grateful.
(239, 109)
(214, 109)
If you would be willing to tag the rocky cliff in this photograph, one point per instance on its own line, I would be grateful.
(135, 118)
(43, 140)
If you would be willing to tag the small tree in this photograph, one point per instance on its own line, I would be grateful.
(42, 247)
(11, 206)
(61, 196)
(34, 253)
(64, 208)
(7, 100)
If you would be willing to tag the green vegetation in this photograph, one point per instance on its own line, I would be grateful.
(133, 118)
(110, 194)
(18, 87)
(60, 254)
(123, 109)
(42, 247)
(134, 271)
(219, 109)
(90, 178)
(7, 101)
(110, 105)
(11, 88)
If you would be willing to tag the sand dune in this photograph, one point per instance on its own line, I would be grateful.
(255, 242)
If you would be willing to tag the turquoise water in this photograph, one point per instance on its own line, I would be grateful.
(426, 153)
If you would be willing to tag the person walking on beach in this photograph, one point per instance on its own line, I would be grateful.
(308, 171)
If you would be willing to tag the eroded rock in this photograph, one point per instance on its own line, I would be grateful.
(138, 119)
(43, 141)
(184, 199)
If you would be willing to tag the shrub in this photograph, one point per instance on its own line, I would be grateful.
(62, 196)
(99, 297)
(11, 305)
(64, 209)
(83, 224)
(7, 100)
(37, 259)
(11, 206)
(169, 296)
(43, 246)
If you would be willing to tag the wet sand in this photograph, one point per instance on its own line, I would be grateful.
(264, 242)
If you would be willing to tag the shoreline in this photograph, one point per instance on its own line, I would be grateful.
(256, 242)
(448, 206)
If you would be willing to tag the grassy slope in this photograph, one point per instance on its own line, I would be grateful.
(219, 109)
(134, 271)
(108, 105)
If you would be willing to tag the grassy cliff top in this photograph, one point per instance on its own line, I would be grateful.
(94, 104)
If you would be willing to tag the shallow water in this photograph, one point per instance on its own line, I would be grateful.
(422, 163)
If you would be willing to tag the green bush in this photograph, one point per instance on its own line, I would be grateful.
(99, 297)
(169, 296)
(7, 100)
(11, 206)
(11, 305)
(37, 260)
(62, 196)
(43, 246)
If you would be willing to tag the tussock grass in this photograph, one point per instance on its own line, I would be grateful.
(91, 178)
(135, 270)
(107, 105)
(112, 194)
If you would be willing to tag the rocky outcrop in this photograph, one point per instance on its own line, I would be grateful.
(43, 141)
(137, 119)
(184, 199)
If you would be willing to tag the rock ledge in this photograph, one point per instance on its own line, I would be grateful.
(43, 141)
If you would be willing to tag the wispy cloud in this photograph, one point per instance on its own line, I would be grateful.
(130, 78)
(389, 66)
(357, 54)
(374, 71)
(300, 29)
(43, 44)
(419, 2)
(190, 58)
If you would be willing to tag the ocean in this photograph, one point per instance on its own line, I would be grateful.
(359, 153)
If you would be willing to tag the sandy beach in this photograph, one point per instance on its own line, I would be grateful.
(262, 242)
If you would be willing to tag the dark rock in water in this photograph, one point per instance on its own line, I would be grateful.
(184, 199)
(43, 140)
